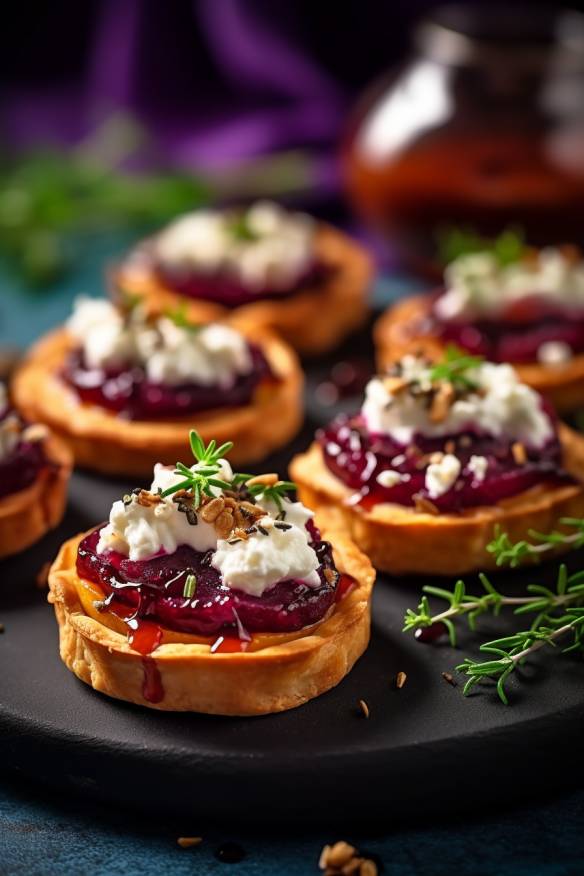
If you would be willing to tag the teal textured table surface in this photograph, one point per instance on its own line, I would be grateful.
(42, 833)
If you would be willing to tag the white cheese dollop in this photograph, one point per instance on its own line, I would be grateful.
(253, 565)
(390, 478)
(477, 466)
(260, 562)
(169, 354)
(554, 353)
(502, 407)
(277, 249)
(477, 285)
(441, 476)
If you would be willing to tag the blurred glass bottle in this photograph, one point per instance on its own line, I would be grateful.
(482, 128)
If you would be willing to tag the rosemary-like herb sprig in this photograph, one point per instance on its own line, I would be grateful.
(511, 553)
(454, 368)
(201, 480)
(276, 492)
(557, 612)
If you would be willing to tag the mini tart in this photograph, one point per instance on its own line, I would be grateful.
(103, 441)
(397, 333)
(281, 671)
(313, 320)
(401, 540)
(27, 515)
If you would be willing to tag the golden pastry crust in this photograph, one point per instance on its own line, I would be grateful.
(271, 679)
(27, 515)
(397, 332)
(105, 442)
(400, 540)
(313, 321)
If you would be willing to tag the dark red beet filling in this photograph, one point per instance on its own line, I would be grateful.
(516, 334)
(228, 291)
(357, 457)
(153, 590)
(127, 391)
(22, 467)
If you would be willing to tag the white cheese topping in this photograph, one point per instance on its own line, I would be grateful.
(441, 476)
(477, 466)
(502, 406)
(477, 285)
(276, 249)
(260, 562)
(390, 478)
(554, 353)
(170, 354)
(253, 565)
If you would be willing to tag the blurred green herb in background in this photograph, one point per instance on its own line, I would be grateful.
(508, 247)
(52, 201)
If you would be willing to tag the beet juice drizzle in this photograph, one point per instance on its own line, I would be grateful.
(289, 606)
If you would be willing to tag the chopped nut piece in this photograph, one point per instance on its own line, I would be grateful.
(323, 857)
(364, 708)
(400, 680)
(519, 453)
(424, 506)
(36, 432)
(265, 480)
(340, 854)
(187, 842)
(449, 678)
(224, 524)
(441, 403)
(147, 499)
(212, 509)
(394, 385)
(352, 867)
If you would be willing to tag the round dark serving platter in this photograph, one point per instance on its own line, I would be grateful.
(424, 750)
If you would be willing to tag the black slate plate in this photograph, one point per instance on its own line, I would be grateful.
(424, 750)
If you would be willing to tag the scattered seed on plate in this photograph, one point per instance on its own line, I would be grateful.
(400, 680)
(187, 842)
(364, 708)
(449, 678)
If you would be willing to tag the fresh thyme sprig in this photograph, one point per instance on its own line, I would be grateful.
(558, 613)
(514, 650)
(507, 552)
(509, 247)
(454, 368)
(180, 317)
(200, 481)
(275, 492)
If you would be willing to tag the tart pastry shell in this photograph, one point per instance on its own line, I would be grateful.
(397, 333)
(313, 320)
(104, 441)
(272, 679)
(401, 540)
(27, 515)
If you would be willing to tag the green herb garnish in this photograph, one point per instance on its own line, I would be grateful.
(201, 481)
(559, 613)
(454, 368)
(509, 247)
(190, 586)
(276, 493)
(511, 553)
(180, 317)
(239, 228)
